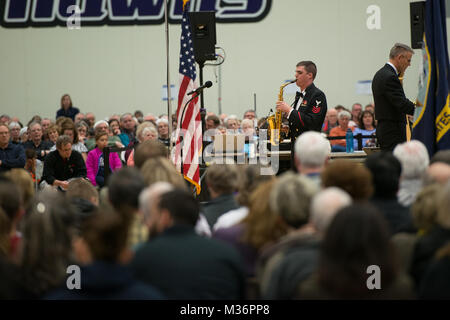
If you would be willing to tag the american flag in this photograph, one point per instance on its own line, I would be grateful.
(191, 127)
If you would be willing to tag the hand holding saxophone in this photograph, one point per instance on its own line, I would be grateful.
(283, 106)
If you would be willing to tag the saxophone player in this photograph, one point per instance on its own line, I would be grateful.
(310, 106)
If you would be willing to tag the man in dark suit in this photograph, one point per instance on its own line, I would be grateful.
(182, 264)
(391, 104)
(310, 106)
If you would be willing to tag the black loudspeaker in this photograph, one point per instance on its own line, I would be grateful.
(417, 19)
(203, 27)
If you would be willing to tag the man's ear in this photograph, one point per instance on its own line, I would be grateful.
(165, 220)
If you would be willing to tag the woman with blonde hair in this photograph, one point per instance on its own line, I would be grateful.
(161, 169)
(261, 227)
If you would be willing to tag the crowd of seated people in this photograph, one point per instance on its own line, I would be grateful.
(309, 234)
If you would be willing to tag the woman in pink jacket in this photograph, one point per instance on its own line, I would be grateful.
(95, 162)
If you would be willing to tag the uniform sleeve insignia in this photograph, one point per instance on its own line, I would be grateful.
(318, 102)
(316, 109)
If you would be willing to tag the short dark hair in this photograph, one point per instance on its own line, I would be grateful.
(214, 119)
(386, 171)
(124, 187)
(106, 234)
(62, 141)
(182, 206)
(309, 66)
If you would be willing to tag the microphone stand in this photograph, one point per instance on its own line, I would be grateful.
(195, 95)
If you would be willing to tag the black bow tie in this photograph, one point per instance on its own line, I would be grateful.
(298, 95)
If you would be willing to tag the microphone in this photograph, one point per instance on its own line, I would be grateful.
(200, 89)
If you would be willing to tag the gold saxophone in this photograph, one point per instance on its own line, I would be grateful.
(275, 120)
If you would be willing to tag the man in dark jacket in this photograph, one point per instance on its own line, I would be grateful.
(63, 164)
(386, 171)
(310, 106)
(391, 104)
(182, 264)
(11, 155)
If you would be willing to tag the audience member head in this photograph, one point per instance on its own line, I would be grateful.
(413, 156)
(367, 120)
(163, 128)
(82, 189)
(248, 127)
(441, 156)
(443, 212)
(425, 206)
(103, 238)
(291, 199)
(66, 102)
(386, 171)
(174, 207)
(47, 244)
(332, 116)
(127, 122)
(231, 122)
(161, 169)
(351, 177)
(312, 151)
(52, 133)
(437, 172)
(147, 150)
(250, 114)
(82, 128)
(221, 179)
(4, 135)
(114, 126)
(64, 146)
(101, 125)
(10, 199)
(357, 238)
(212, 122)
(356, 111)
(24, 182)
(324, 206)
(90, 119)
(148, 204)
(101, 139)
(146, 131)
(14, 129)
(79, 117)
(71, 132)
(36, 132)
(124, 187)
(262, 225)
(343, 118)
(248, 180)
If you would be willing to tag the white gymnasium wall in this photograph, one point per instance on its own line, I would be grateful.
(114, 69)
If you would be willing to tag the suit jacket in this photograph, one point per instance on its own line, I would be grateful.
(390, 100)
(311, 113)
(184, 265)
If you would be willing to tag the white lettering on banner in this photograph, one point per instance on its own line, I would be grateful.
(374, 20)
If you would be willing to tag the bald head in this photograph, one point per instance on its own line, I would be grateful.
(438, 172)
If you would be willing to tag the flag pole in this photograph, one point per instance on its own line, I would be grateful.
(169, 95)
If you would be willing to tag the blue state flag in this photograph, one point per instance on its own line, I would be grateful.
(432, 120)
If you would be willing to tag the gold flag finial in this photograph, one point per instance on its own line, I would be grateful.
(184, 3)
